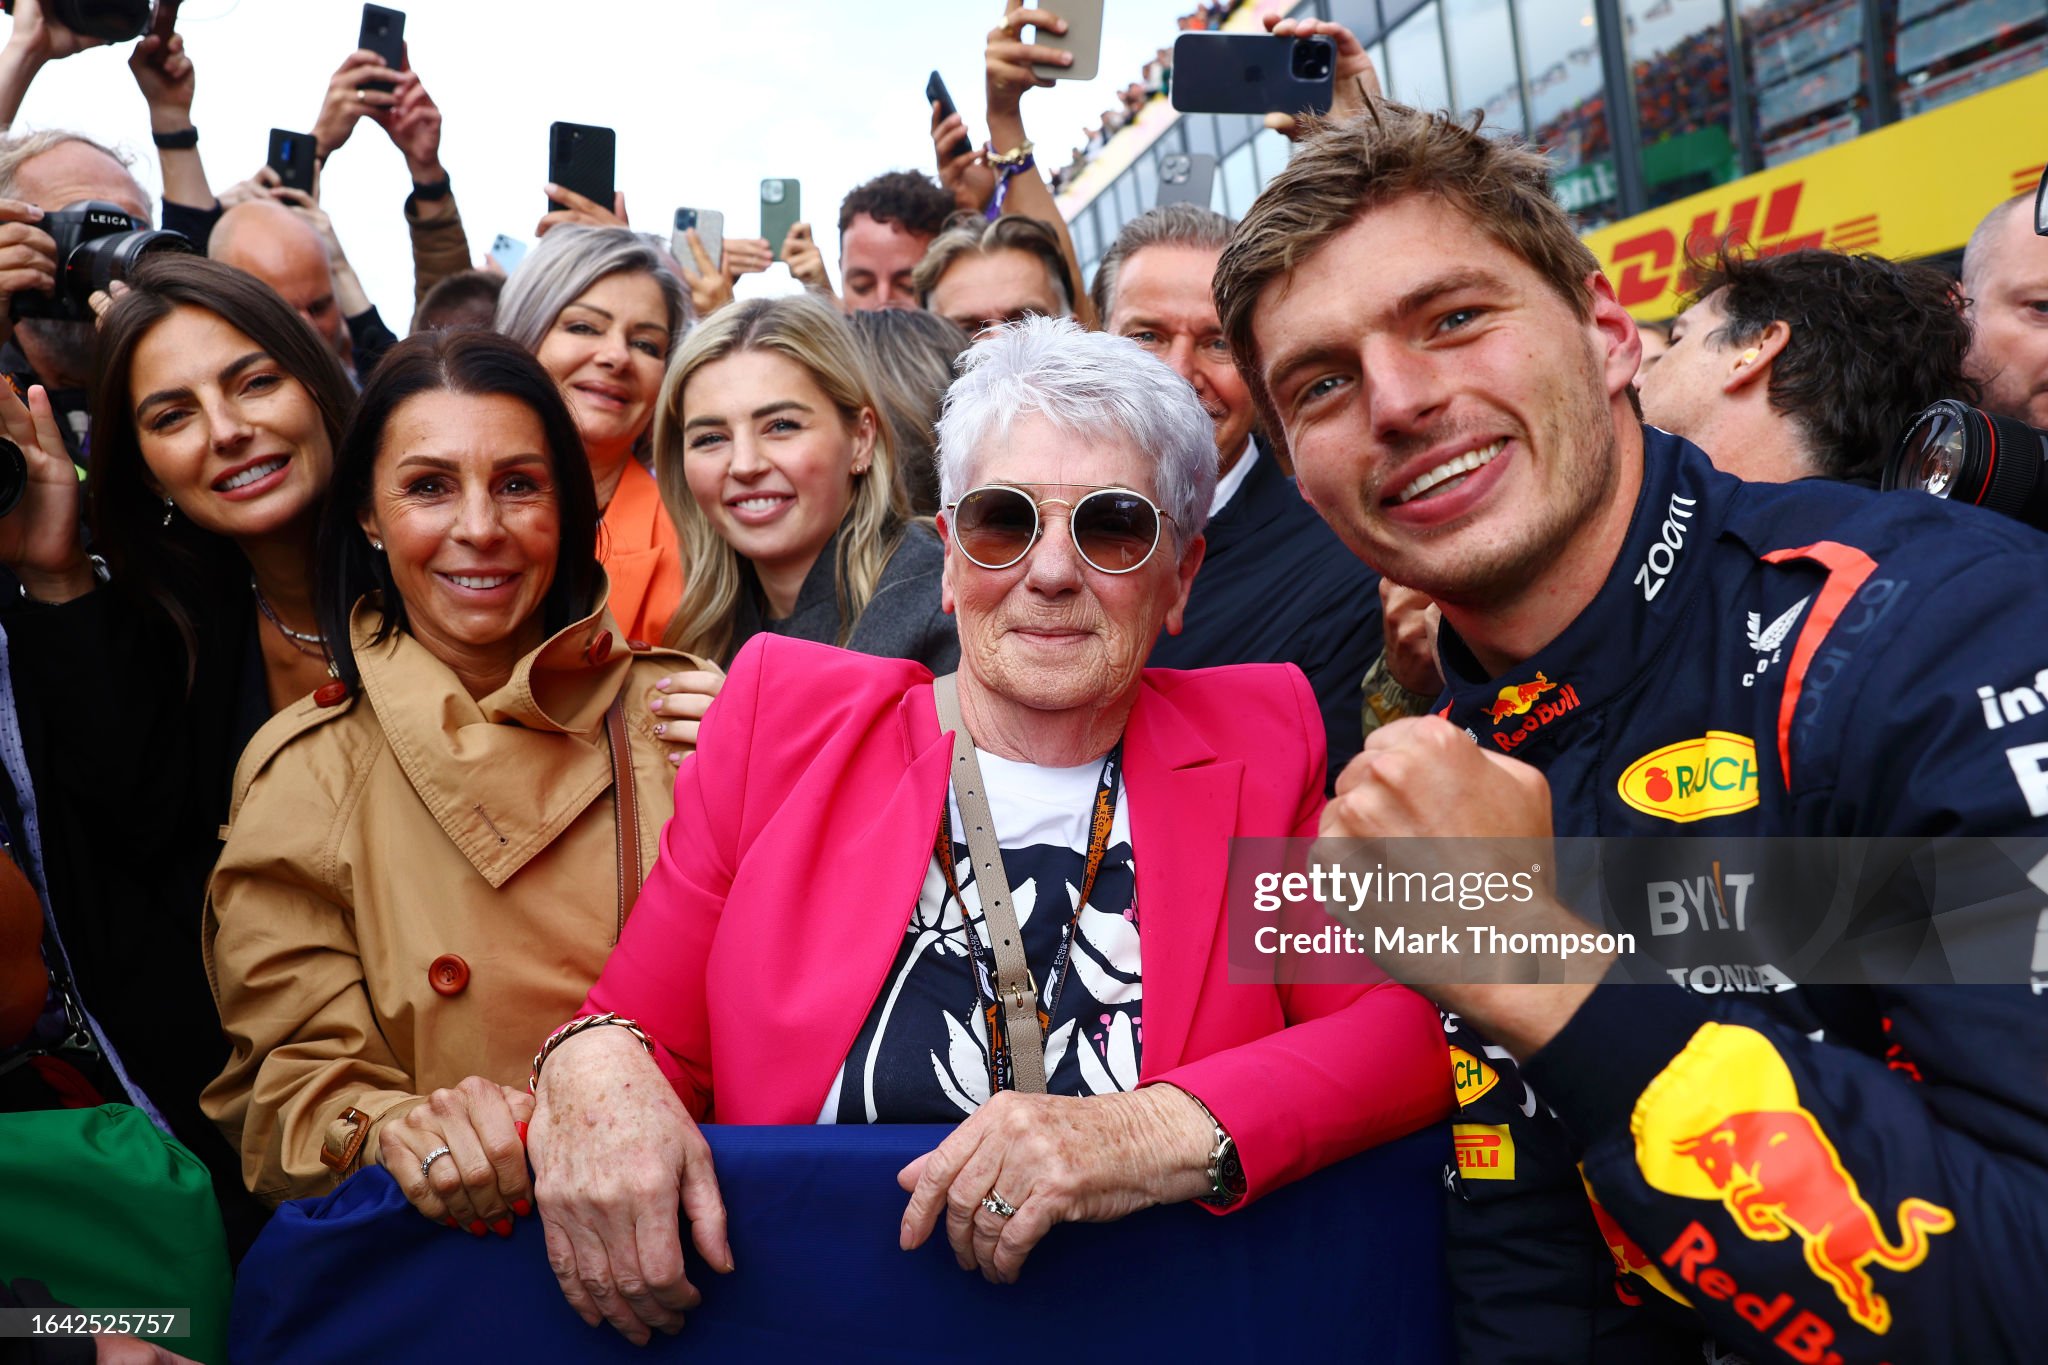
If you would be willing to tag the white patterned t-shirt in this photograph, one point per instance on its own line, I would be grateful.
(922, 1055)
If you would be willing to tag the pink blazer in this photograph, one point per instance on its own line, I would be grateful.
(802, 830)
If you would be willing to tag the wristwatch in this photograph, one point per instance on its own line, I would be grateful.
(1386, 700)
(1225, 1169)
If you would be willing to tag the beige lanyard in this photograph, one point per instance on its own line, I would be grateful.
(1016, 992)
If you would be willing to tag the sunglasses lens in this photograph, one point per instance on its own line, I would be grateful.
(1115, 530)
(995, 526)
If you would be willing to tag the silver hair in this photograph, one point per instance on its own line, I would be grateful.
(17, 151)
(1182, 225)
(1081, 381)
(568, 261)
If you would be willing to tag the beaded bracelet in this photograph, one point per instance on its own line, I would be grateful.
(576, 1026)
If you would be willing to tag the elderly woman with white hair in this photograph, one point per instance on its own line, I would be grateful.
(600, 309)
(1022, 872)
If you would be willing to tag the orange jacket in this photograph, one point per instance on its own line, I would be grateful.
(642, 556)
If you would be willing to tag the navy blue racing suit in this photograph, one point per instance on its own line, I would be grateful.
(1816, 1172)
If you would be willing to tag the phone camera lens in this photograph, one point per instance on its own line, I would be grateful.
(1311, 60)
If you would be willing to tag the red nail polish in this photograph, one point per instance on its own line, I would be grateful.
(522, 1207)
(520, 1129)
(503, 1227)
(449, 1223)
(476, 1229)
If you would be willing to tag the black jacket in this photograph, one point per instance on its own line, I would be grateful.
(903, 620)
(133, 776)
(1277, 586)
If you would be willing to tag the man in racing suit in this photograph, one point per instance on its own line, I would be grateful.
(1636, 644)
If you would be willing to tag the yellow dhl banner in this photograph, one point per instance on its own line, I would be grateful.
(1912, 189)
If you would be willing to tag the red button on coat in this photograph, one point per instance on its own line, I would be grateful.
(331, 694)
(449, 975)
(600, 649)
(638, 646)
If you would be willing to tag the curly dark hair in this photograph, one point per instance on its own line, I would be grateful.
(908, 198)
(1873, 342)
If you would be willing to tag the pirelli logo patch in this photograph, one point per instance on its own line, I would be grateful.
(1486, 1151)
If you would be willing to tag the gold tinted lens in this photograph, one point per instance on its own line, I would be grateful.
(995, 526)
(1115, 530)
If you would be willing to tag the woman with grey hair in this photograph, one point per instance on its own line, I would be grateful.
(889, 898)
(600, 309)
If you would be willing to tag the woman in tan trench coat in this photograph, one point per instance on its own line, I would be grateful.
(428, 860)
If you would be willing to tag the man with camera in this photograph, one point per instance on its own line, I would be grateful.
(2005, 279)
(1635, 643)
(47, 181)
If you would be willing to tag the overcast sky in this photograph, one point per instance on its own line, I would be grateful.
(707, 100)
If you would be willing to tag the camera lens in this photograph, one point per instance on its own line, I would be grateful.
(114, 20)
(103, 260)
(1174, 170)
(1311, 59)
(771, 191)
(1964, 454)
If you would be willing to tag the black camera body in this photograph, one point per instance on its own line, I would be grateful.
(114, 20)
(97, 244)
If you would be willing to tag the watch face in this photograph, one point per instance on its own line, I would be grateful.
(1230, 1171)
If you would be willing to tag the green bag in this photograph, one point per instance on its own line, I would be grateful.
(110, 1213)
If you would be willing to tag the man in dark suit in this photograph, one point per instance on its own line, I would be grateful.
(1277, 585)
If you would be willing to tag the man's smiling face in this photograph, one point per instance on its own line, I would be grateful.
(1448, 411)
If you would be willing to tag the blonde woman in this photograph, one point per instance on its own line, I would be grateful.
(776, 464)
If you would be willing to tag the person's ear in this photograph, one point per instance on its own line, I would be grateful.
(1755, 360)
(367, 519)
(865, 429)
(1621, 346)
(1184, 576)
(953, 558)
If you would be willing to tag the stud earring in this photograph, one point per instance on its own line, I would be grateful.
(378, 546)
(1749, 356)
(170, 510)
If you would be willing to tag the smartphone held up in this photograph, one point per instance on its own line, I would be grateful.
(1253, 73)
(709, 225)
(383, 33)
(582, 157)
(781, 210)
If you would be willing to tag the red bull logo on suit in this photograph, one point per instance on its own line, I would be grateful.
(1724, 1123)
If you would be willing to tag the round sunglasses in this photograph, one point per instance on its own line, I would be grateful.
(1114, 529)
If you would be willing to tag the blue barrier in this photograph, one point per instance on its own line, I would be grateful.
(1347, 1264)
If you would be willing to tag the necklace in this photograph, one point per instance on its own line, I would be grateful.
(299, 639)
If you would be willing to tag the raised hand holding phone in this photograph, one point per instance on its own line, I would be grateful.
(1078, 35)
(1355, 83)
